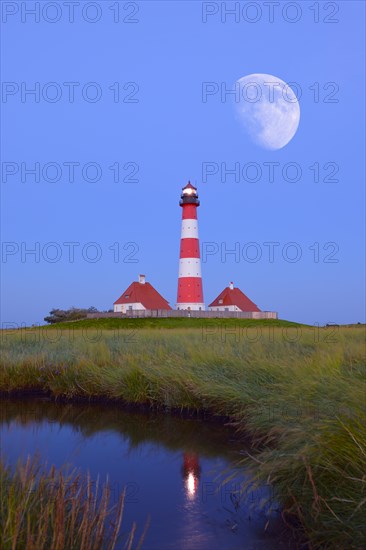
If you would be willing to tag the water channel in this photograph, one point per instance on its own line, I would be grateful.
(172, 468)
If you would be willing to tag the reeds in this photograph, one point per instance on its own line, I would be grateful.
(42, 509)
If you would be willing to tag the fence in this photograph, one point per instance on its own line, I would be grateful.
(141, 313)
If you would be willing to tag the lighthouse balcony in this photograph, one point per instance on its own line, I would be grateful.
(189, 200)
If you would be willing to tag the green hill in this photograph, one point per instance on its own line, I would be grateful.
(112, 323)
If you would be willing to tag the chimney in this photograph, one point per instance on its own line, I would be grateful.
(142, 279)
(231, 286)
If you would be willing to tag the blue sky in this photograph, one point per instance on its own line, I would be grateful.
(165, 136)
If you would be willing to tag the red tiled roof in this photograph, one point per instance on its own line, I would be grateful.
(144, 294)
(234, 297)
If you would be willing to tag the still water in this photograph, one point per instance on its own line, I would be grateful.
(172, 468)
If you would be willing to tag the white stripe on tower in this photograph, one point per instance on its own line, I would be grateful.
(189, 229)
(190, 295)
(190, 267)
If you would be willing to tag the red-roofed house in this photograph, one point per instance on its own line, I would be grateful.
(232, 299)
(140, 295)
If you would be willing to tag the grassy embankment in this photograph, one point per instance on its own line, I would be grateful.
(298, 391)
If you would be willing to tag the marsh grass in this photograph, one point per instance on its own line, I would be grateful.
(299, 393)
(43, 509)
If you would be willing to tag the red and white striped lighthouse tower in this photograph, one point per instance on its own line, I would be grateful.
(190, 295)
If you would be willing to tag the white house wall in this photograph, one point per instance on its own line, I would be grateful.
(123, 308)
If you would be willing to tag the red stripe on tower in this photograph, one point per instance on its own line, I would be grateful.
(190, 295)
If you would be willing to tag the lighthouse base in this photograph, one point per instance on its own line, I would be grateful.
(191, 307)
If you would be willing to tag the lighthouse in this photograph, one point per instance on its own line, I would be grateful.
(190, 294)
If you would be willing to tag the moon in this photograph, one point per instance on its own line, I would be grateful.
(268, 110)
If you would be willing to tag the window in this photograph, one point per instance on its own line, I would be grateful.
(127, 295)
(220, 301)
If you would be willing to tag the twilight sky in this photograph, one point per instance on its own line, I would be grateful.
(136, 102)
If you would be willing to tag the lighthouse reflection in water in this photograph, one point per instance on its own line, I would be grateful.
(191, 473)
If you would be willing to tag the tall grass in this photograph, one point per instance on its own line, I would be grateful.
(42, 509)
(298, 392)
